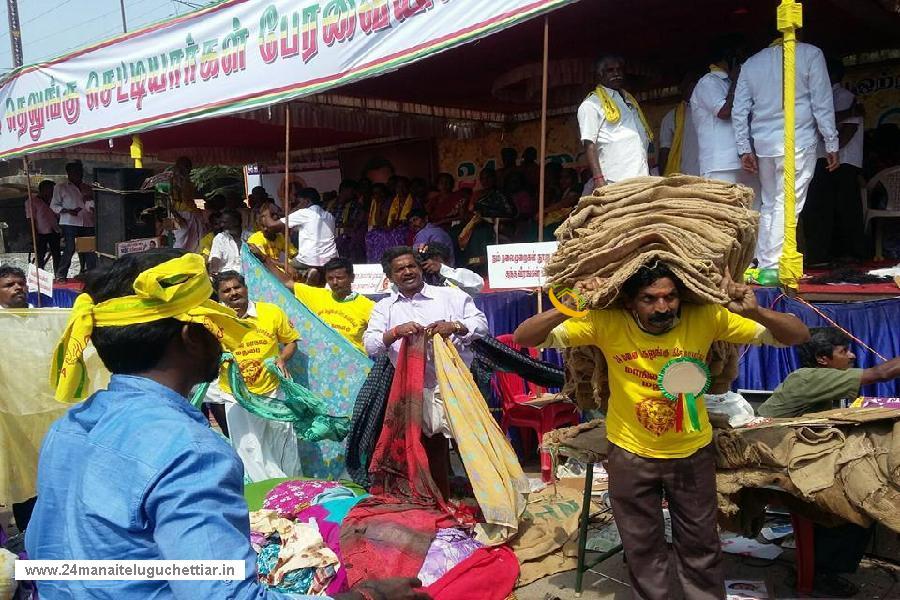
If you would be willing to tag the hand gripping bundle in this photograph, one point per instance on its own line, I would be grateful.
(697, 226)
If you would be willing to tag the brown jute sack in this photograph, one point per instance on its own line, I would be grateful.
(698, 227)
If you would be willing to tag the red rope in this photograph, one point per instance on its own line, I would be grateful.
(831, 322)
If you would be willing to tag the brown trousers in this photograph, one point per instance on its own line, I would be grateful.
(636, 486)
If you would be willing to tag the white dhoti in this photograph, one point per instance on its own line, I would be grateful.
(434, 415)
(751, 180)
(771, 218)
(267, 448)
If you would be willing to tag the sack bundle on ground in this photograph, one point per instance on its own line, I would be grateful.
(698, 227)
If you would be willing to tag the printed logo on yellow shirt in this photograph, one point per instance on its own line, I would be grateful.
(657, 415)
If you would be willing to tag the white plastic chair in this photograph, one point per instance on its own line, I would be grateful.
(890, 179)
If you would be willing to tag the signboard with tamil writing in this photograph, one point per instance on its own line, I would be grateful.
(518, 265)
(370, 279)
(39, 280)
(230, 57)
(138, 245)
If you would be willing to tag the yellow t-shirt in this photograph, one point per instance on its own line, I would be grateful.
(349, 317)
(206, 244)
(640, 418)
(273, 249)
(272, 328)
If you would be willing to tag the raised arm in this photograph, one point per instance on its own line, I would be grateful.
(785, 328)
(533, 331)
(886, 371)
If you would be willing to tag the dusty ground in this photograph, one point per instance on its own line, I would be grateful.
(876, 580)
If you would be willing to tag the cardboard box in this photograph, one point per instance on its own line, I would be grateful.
(86, 244)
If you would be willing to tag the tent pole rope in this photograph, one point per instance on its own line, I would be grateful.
(543, 145)
(37, 259)
(287, 182)
(790, 265)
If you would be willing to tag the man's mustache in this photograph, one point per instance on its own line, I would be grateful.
(661, 317)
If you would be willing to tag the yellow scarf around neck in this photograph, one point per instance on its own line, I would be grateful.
(176, 289)
(611, 111)
(673, 162)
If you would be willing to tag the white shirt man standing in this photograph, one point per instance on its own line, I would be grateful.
(758, 115)
(315, 234)
(613, 128)
(73, 202)
(711, 106)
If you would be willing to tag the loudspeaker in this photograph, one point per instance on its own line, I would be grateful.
(119, 215)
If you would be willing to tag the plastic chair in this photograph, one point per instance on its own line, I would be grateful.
(890, 179)
(513, 390)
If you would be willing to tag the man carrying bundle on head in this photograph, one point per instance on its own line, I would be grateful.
(135, 473)
(657, 426)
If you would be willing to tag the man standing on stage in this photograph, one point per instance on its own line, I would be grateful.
(649, 452)
(711, 106)
(46, 223)
(758, 117)
(416, 308)
(613, 128)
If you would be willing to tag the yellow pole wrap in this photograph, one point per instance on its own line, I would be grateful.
(137, 151)
(790, 266)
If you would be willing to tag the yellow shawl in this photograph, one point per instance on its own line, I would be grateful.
(611, 111)
(673, 162)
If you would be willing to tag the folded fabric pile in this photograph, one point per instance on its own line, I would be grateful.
(297, 536)
(844, 462)
(698, 227)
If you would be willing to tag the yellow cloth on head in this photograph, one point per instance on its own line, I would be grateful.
(491, 464)
(673, 162)
(611, 111)
(176, 289)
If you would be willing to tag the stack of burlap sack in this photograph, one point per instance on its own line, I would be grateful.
(843, 462)
(698, 227)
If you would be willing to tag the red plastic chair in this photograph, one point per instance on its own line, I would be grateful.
(513, 390)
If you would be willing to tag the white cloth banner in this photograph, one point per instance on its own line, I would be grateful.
(233, 56)
(518, 265)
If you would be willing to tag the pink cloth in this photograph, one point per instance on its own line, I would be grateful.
(292, 497)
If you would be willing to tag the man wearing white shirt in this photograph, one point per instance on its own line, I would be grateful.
(613, 128)
(225, 252)
(833, 216)
(73, 202)
(758, 114)
(678, 134)
(711, 105)
(315, 234)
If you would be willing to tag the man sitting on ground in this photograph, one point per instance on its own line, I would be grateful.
(135, 472)
(434, 257)
(826, 377)
(416, 308)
